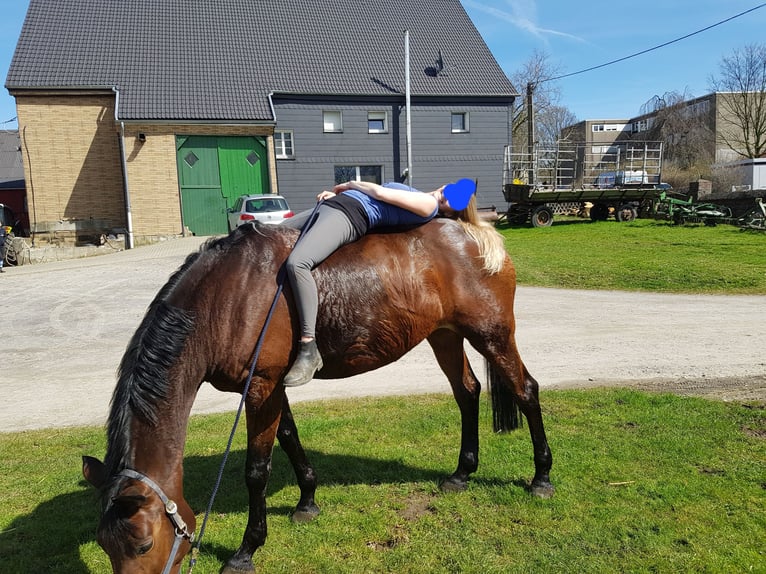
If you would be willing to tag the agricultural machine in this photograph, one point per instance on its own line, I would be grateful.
(681, 211)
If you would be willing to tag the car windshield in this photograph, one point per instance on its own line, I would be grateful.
(266, 205)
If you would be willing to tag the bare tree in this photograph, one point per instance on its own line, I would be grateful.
(684, 127)
(551, 121)
(742, 83)
(537, 72)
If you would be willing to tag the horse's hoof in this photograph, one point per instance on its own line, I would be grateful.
(304, 515)
(452, 485)
(542, 490)
(229, 570)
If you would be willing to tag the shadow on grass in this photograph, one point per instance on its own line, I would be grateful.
(49, 538)
(331, 469)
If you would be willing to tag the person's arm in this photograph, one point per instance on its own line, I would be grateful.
(422, 204)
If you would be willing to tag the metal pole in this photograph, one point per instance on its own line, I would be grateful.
(407, 104)
(530, 134)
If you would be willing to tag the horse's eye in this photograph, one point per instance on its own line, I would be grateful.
(145, 547)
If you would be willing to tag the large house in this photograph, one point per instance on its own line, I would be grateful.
(153, 117)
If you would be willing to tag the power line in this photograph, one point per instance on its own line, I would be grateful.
(655, 47)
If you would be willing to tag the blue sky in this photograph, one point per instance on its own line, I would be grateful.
(576, 36)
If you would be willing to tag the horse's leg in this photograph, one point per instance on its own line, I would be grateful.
(448, 348)
(510, 371)
(306, 510)
(262, 423)
(541, 485)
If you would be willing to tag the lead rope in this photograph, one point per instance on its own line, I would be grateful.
(259, 344)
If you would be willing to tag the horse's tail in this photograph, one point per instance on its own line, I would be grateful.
(506, 415)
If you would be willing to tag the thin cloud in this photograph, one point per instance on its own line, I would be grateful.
(523, 15)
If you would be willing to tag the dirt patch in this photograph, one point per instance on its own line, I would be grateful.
(744, 389)
(417, 505)
(755, 433)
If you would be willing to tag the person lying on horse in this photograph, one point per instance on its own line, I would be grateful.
(346, 214)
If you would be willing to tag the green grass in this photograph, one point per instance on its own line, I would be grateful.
(644, 255)
(645, 483)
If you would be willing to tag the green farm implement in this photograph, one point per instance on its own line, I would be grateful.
(686, 210)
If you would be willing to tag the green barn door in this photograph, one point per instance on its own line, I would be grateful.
(244, 167)
(202, 203)
(213, 172)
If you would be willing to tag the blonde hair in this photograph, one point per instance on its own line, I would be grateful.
(491, 243)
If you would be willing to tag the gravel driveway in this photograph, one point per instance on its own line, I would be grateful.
(66, 325)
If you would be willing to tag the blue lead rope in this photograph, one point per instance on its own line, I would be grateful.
(258, 346)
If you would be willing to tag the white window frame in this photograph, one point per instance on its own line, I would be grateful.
(377, 116)
(280, 150)
(358, 175)
(332, 121)
(466, 127)
(640, 126)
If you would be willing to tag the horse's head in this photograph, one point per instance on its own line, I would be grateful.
(141, 530)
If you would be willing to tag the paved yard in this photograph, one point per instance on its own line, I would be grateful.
(66, 324)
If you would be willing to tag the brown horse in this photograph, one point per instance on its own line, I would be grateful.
(379, 297)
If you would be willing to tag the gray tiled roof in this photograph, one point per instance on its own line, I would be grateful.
(219, 59)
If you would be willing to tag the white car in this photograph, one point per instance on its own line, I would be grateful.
(270, 209)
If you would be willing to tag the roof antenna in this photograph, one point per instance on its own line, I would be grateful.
(437, 68)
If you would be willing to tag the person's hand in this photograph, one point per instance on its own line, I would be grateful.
(325, 195)
(341, 187)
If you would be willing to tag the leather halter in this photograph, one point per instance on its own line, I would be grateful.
(171, 510)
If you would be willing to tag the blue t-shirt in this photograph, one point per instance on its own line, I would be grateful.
(382, 214)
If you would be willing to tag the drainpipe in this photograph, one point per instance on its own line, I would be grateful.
(273, 168)
(271, 105)
(124, 163)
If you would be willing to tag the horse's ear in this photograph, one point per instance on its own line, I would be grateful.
(94, 471)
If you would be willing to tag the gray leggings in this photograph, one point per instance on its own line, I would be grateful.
(331, 230)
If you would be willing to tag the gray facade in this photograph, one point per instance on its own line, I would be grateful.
(438, 155)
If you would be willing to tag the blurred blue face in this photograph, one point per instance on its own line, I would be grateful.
(459, 194)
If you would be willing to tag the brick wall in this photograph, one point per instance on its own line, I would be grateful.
(71, 160)
(73, 165)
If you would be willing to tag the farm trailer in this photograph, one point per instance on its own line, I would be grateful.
(623, 179)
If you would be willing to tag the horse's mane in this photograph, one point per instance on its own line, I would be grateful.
(491, 244)
(142, 377)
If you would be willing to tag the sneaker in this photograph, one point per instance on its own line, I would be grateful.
(308, 362)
